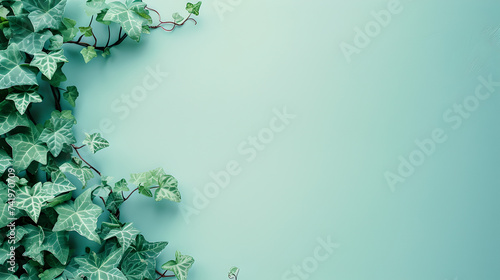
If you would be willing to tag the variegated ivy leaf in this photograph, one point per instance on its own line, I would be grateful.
(75, 168)
(130, 17)
(32, 243)
(167, 189)
(148, 249)
(125, 235)
(63, 114)
(58, 77)
(45, 14)
(57, 243)
(177, 18)
(93, 7)
(59, 184)
(136, 269)
(148, 178)
(71, 94)
(10, 117)
(193, 8)
(31, 200)
(47, 62)
(95, 142)
(23, 99)
(51, 273)
(11, 72)
(69, 29)
(56, 43)
(5, 161)
(139, 261)
(233, 273)
(24, 35)
(179, 266)
(88, 53)
(114, 201)
(3, 12)
(57, 134)
(26, 149)
(86, 31)
(98, 266)
(80, 216)
(121, 186)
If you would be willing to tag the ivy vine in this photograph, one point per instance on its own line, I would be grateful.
(39, 205)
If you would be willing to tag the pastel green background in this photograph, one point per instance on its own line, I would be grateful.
(324, 174)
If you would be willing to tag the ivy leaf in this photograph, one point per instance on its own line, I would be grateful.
(25, 150)
(120, 186)
(145, 191)
(60, 199)
(80, 216)
(135, 269)
(114, 201)
(51, 273)
(148, 249)
(57, 243)
(45, 14)
(95, 142)
(71, 94)
(56, 43)
(59, 184)
(31, 200)
(58, 76)
(106, 52)
(47, 63)
(32, 243)
(75, 168)
(68, 29)
(100, 17)
(93, 7)
(233, 273)
(23, 99)
(179, 266)
(139, 261)
(167, 189)
(25, 36)
(125, 235)
(63, 114)
(94, 266)
(86, 31)
(128, 17)
(88, 53)
(193, 8)
(57, 134)
(3, 12)
(6, 161)
(10, 117)
(148, 178)
(11, 72)
(177, 18)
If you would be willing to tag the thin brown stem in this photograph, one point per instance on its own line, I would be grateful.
(162, 275)
(125, 198)
(88, 164)
(174, 24)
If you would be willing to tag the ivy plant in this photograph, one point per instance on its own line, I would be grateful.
(46, 188)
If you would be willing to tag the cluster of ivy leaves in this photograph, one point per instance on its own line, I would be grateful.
(38, 203)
